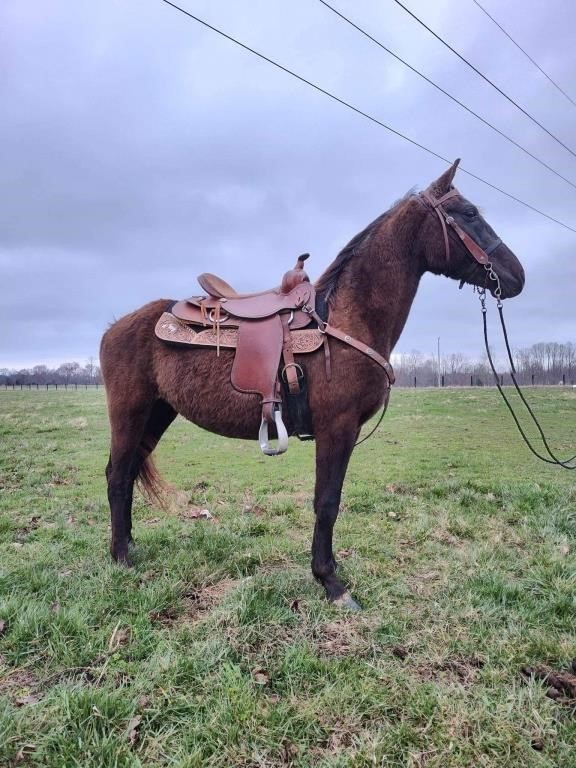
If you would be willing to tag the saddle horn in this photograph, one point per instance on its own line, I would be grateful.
(295, 276)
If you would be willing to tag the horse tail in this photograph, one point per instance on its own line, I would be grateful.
(150, 481)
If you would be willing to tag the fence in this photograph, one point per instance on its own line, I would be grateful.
(55, 386)
(473, 380)
(445, 382)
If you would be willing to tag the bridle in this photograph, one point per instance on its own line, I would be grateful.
(446, 220)
(483, 257)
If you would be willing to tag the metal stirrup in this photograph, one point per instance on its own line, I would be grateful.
(282, 444)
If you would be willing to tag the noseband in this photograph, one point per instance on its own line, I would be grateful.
(481, 256)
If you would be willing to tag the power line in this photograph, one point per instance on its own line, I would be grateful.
(546, 75)
(484, 77)
(446, 93)
(362, 113)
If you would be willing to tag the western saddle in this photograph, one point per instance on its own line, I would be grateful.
(264, 328)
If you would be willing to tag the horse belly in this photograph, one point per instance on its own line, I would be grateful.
(196, 382)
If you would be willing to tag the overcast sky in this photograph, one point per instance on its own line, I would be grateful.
(139, 149)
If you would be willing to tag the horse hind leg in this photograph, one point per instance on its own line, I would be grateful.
(135, 434)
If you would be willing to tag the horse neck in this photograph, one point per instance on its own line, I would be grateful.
(377, 288)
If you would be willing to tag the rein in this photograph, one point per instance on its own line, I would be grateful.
(483, 258)
(565, 463)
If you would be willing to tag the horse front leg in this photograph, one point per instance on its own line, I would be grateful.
(333, 451)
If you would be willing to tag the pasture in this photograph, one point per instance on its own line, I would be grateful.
(218, 649)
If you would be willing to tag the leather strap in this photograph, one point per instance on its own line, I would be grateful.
(436, 205)
(481, 256)
(290, 369)
(361, 347)
(472, 247)
(330, 330)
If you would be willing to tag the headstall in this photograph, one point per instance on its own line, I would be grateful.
(482, 256)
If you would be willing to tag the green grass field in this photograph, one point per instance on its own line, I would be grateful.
(218, 648)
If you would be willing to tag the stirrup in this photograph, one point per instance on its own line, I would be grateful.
(282, 445)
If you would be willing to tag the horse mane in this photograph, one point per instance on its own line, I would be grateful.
(327, 283)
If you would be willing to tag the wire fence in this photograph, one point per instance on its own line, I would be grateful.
(458, 380)
(72, 386)
(447, 381)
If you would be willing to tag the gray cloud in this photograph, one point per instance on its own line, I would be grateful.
(139, 150)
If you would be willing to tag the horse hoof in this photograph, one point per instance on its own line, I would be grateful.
(347, 602)
(123, 559)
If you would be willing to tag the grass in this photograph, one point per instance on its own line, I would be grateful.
(218, 649)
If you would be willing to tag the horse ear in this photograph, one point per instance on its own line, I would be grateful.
(443, 183)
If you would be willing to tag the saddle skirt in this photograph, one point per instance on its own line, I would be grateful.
(171, 328)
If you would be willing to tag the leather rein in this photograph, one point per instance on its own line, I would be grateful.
(483, 258)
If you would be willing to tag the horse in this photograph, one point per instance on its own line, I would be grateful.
(368, 291)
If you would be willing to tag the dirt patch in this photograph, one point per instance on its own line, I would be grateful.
(401, 489)
(445, 537)
(197, 513)
(342, 554)
(561, 684)
(198, 603)
(342, 637)
(18, 684)
(166, 617)
(254, 509)
(59, 479)
(252, 506)
(400, 652)
(424, 583)
(462, 670)
(342, 736)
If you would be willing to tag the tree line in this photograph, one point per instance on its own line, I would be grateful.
(66, 374)
(543, 363)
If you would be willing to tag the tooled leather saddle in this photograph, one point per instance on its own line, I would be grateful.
(266, 329)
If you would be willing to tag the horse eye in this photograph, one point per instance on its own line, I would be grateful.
(470, 213)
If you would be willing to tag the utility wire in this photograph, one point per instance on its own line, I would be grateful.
(363, 114)
(449, 95)
(538, 67)
(484, 77)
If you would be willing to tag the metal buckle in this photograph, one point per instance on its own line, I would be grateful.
(221, 319)
(290, 365)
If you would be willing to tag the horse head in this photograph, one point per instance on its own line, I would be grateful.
(462, 245)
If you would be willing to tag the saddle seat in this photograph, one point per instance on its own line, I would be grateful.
(218, 288)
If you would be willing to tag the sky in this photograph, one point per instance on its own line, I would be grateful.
(138, 149)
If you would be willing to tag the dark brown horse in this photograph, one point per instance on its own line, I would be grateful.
(369, 289)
